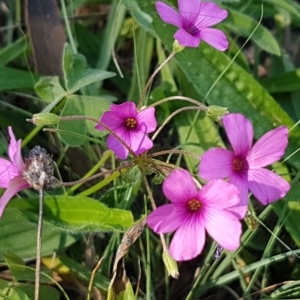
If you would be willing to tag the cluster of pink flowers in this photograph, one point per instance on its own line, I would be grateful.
(193, 210)
(218, 206)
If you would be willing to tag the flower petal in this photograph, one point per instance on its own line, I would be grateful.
(168, 14)
(216, 163)
(210, 14)
(111, 120)
(140, 142)
(15, 185)
(269, 148)
(219, 194)
(223, 227)
(13, 146)
(239, 132)
(114, 145)
(146, 119)
(186, 39)
(189, 10)
(188, 240)
(7, 172)
(242, 184)
(124, 110)
(14, 150)
(166, 218)
(267, 186)
(179, 187)
(214, 37)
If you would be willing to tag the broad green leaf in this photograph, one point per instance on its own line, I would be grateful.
(81, 272)
(18, 235)
(14, 50)
(291, 212)
(76, 74)
(16, 79)
(13, 293)
(237, 90)
(93, 107)
(89, 106)
(243, 25)
(143, 19)
(73, 107)
(77, 214)
(21, 272)
(286, 82)
(50, 89)
(46, 292)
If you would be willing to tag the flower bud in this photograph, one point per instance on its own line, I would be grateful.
(216, 112)
(170, 264)
(177, 47)
(44, 119)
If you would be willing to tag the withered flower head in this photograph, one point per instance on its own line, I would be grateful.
(39, 169)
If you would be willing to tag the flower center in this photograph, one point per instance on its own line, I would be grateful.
(239, 163)
(131, 123)
(194, 205)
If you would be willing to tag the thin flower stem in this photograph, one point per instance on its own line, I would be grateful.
(201, 105)
(152, 201)
(92, 278)
(83, 180)
(78, 117)
(39, 246)
(171, 116)
(183, 152)
(152, 77)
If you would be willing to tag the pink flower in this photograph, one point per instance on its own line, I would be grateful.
(244, 166)
(193, 20)
(193, 211)
(11, 171)
(131, 126)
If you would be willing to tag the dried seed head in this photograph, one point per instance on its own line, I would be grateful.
(39, 169)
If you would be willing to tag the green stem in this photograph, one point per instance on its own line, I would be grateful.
(152, 77)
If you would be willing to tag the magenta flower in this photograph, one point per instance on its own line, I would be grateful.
(193, 20)
(244, 166)
(193, 211)
(131, 126)
(11, 172)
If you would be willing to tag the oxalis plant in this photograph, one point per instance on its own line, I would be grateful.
(195, 201)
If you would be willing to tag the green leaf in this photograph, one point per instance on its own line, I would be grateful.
(16, 79)
(73, 107)
(290, 5)
(243, 25)
(49, 89)
(46, 292)
(88, 106)
(143, 19)
(77, 214)
(286, 82)
(18, 235)
(75, 73)
(14, 50)
(236, 89)
(13, 293)
(81, 272)
(21, 272)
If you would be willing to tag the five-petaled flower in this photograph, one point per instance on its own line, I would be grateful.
(244, 166)
(193, 20)
(11, 172)
(131, 126)
(193, 211)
